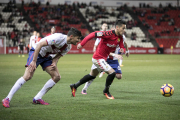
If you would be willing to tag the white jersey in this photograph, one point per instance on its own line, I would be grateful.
(117, 48)
(33, 41)
(57, 43)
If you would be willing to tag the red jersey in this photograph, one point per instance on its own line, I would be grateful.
(109, 42)
(48, 34)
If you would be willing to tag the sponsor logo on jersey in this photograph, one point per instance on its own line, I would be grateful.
(109, 45)
(99, 34)
(53, 41)
(119, 40)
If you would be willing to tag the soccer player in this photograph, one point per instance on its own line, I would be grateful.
(109, 41)
(53, 29)
(33, 39)
(58, 44)
(21, 47)
(38, 37)
(113, 62)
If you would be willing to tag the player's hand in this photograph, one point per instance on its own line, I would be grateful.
(118, 56)
(79, 46)
(121, 50)
(32, 66)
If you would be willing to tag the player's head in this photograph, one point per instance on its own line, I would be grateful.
(53, 29)
(74, 36)
(104, 26)
(21, 40)
(120, 26)
(35, 33)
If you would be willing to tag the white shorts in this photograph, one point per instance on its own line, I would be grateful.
(100, 65)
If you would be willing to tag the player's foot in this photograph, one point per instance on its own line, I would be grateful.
(5, 102)
(101, 74)
(121, 65)
(72, 86)
(19, 56)
(83, 92)
(23, 55)
(40, 101)
(108, 95)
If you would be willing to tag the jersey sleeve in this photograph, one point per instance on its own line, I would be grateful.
(97, 34)
(53, 39)
(87, 38)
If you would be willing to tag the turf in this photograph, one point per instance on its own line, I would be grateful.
(137, 94)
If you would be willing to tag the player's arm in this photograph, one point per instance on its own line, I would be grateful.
(121, 45)
(32, 66)
(116, 55)
(127, 50)
(86, 39)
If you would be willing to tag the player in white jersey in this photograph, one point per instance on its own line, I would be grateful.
(112, 61)
(33, 39)
(58, 44)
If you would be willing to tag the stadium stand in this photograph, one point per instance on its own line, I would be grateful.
(96, 15)
(162, 23)
(13, 25)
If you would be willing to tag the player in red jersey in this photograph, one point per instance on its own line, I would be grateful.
(53, 29)
(109, 41)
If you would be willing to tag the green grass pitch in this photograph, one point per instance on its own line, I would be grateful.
(137, 94)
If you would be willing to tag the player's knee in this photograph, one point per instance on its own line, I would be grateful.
(118, 76)
(26, 78)
(56, 78)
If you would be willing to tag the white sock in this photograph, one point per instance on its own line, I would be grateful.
(49, 84)
(87, 84)
(16, 87)
(120, 62)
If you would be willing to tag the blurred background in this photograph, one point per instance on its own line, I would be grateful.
(153, 26)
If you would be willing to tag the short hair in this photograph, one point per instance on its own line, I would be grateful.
(119, 22)
(74, 32)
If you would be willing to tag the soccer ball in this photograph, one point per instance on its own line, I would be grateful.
(167, 90)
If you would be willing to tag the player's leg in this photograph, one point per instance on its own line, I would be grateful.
(22, 50)
(120, 62)
(109, 80)
(19, 53)
(27, 76)
(87, 84)
(101, 74)
(55, 77)
(115, 65)
(102, 64)
(83, 80)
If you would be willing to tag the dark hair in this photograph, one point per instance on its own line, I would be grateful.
(120, 22)
(74, 32)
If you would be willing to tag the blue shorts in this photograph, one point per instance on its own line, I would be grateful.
(43, 61)
(115, 65)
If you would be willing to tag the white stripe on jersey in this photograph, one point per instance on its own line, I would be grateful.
(57, 43)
